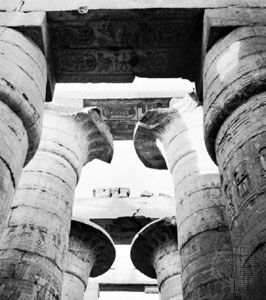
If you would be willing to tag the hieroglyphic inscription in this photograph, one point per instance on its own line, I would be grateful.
(156, 33)
(116, 46)
(121, 115)
(91, 63)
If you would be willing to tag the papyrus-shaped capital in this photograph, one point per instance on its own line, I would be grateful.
(158, 124)
(154, 252)
(78, 136)
(150, 128)
(91, 253)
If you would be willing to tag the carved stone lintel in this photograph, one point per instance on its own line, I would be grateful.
(91, 253)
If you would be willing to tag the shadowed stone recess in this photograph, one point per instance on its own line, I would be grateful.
(91, 253)
(35, 240)
(235, 135)
(154, 252)
(203, 235)
(22, 95)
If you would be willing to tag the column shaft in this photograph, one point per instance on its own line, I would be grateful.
(203, 236)
(35, 241)
(166, 263)
(207, 268)
(76, 276)
(22, 95)
(235, 130)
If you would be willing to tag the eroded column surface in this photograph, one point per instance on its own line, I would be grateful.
(91, 253)
(235, 136)
(23, 79)
(35, 239)
(154, 252)
(203, 235)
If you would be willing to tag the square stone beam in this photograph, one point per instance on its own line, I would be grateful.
(115, 41)
(51, 5)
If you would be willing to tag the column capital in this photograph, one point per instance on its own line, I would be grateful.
(154, 124)
(234, 71)
(83, 131)
(88, 237)
(149, 240)
(91, 253)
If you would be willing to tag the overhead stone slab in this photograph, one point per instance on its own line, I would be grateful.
(145, 43)
(51, 5)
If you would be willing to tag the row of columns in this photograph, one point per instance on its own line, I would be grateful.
(203, 235)
(220, 215)
(35, 251)
(35, 235)
(235, 135)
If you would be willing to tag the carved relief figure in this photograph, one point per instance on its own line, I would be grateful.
(242, 179)
(261, 160)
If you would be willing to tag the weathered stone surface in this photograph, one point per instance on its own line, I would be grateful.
(87, 48)
(22, 93)
(235, 129)
(154, 252)
(34, 26)
(34, 242)
(122, 218)
(50, 5)
(121, 115)
(91, 253)
(203, 235)
(113, 192)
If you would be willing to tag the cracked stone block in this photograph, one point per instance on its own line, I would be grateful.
(203, 234)
(34, 243)
(154, 252)
(235, 135)
(91, 252)
(23, 77)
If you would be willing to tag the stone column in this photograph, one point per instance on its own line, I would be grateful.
(235, 135)
(35, 239)
(23, 79)
(203, 235)
(154, 252)
(91, 253)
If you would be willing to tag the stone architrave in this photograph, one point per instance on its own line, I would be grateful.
(154, 252)
(91, 253)
(35, 240)
(23, 77)
(203, 234)
(234, 79)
